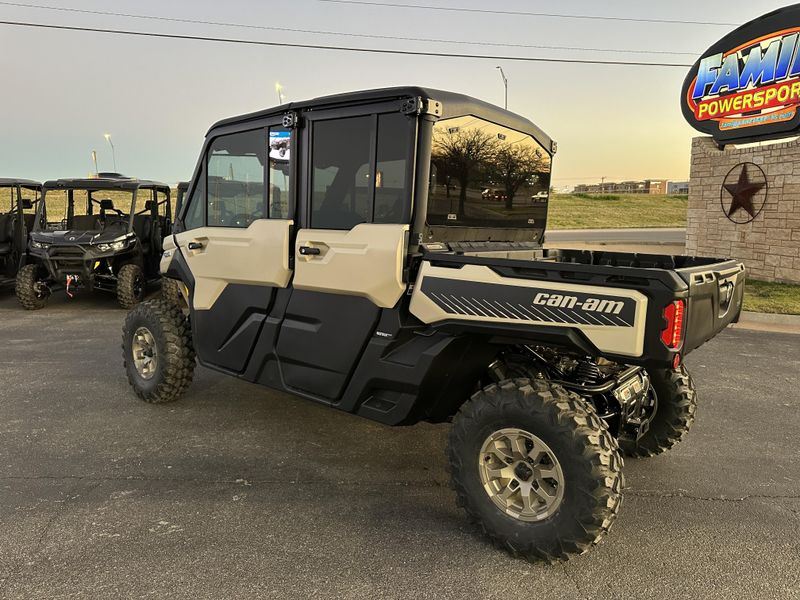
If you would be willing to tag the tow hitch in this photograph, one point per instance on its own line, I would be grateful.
(72, 280)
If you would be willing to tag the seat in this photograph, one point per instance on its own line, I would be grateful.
(6, 233)
(85, 222)
(29, 219)
(142, 227)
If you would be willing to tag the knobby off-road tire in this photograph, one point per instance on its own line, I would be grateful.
(30, 295)
(157, 351)
(587, 456)
(131, 286)
(171, 292)
(676, 405)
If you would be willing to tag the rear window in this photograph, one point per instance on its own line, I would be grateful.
(485, 175)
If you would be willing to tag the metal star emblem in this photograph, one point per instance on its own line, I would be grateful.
(742, 193)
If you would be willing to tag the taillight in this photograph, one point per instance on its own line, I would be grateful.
(673, 314)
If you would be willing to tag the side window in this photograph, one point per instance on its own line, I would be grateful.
(340, 178)
(196, 208)
(280, 140)
(235, 179)
(393, 176)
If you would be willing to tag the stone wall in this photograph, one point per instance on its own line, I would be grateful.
(770, 244)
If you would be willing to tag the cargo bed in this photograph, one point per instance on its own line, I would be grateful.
(613, 304)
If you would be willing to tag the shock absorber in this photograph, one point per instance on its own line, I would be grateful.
(587, 372)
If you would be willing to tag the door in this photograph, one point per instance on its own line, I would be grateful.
(350, 256)
(235, 243)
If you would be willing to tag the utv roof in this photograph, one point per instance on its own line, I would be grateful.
(10, 181)
(453, 105)
(103, 183)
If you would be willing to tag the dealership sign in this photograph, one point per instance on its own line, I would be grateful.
(746, 87)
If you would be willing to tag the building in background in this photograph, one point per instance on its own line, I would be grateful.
(646, 186)
(678, 187)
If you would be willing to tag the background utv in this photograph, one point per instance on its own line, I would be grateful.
(358, 263)
(100, 234)
(18, 200)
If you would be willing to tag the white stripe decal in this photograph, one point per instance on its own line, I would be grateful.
(541, 316)
(446, 303)
(481, 303)
(463, 306)
(511, 307)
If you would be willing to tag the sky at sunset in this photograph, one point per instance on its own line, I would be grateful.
(62, 90)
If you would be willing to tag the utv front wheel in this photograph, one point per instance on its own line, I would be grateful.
(157, 351)
(131, 286)
(535, 469)
(673, 405)
(31, 289)
(171, 291)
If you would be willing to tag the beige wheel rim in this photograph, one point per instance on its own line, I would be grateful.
(521, 475)
(145, 353)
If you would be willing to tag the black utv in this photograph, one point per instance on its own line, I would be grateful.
(98, 234)
(360, 264)
(18, 199)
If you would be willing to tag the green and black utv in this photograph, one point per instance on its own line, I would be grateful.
(346, 250)
(99, 234)
(18, 200)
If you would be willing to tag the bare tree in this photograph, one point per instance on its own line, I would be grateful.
(463, 154)
(515, 164)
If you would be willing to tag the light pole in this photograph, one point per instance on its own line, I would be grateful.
(279, 90)
(113, 152)
(94, 160)
(505, 85)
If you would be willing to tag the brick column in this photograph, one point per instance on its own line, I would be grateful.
(770, 244)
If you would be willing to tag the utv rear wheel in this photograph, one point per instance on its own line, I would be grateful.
(31, 288)
(131, 286)
(157, 351)
(535, 468)
(674, 406)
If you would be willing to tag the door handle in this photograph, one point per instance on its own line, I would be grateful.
(309, 251)
(194, 245)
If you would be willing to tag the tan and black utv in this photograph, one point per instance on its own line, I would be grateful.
(344, 249)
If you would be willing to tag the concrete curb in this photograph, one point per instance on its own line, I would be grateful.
(768, 322)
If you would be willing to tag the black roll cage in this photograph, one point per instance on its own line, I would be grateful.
(423, 105)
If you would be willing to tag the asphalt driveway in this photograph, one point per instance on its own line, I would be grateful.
(239, 491)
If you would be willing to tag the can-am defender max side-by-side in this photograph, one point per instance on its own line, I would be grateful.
(343, 249)
(18, 200)
(100, 234)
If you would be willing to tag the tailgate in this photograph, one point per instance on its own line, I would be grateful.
(716, 293)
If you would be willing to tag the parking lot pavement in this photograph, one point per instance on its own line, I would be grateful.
(239, 491)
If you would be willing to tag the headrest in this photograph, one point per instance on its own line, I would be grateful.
(150, 205)
(106, 204)
(27, 204)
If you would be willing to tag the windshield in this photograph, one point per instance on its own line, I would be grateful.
(85, 210)
(485, 175)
